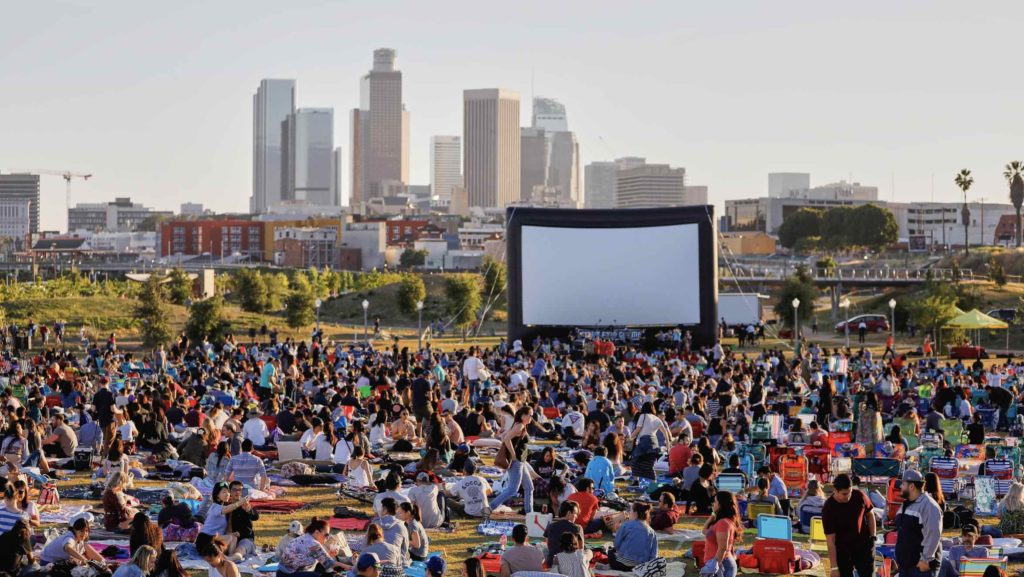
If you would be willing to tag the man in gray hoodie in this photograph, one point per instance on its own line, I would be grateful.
(394, 530)
(919, 528)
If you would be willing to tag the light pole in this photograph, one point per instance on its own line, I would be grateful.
(892, 325)
(318, 303)
(366, 319)
(419, 326)
(845, 304)
(796, 323)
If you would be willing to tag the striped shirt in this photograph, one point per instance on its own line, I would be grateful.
(8, 518)
(245, 467)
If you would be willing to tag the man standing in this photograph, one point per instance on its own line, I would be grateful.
(849, 528)
(103, 400)
(919, 528)
(471, 375)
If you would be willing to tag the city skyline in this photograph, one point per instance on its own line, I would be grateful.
(157, 110)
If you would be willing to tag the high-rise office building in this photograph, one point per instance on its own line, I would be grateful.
(23, 187)
(556, 161)
(601, 180)
(273, 102)
(445, 166)
(380, 132)
(533, 165)
(491, 147)
(336, 180)
(650, 186)
(309, 152)
(549, 115)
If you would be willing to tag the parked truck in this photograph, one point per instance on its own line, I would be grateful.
(740, 308)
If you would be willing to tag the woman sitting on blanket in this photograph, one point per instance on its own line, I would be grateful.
(73, 545)
(27, 505)
(358, 471)
(216, 525)
(117, 508)
(143, 561)
(117, 461)
(218, 462)
(305, 554)
(386, 552)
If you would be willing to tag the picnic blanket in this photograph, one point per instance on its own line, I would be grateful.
(63, 515)
(348, 524)
(276, 505)
(496, 528)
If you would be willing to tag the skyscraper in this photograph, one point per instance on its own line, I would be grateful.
(380, 132)
(309, 150)
(445, 166)
(491, 146)
(555, 161)
(273, 102)
(650, 186)
(602, 180)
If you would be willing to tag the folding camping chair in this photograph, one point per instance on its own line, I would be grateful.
(976, 567)
(758, 453)
(776, 453)
(841, 465)
(774, 527)
(1001, 471)
(947, 469)
(732, 483)
(926, 455)
(818, 542)
(877, 471)
(755, 510)
(760, 431)
(793, 470)
(893, 499)
(1005, 452)
(818, 462)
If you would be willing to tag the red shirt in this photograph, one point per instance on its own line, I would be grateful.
(588, 506)
(678, 458)
(711, 538)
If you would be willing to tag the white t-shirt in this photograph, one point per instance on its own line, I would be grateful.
(324, 450)
(55, 550)
(256, 431)
(472, 490)
(309, 439)
(471, 368)
(342, 452)
(128, 431)
(575, 420)
(649, 424)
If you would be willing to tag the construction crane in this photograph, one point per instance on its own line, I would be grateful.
(67, 175)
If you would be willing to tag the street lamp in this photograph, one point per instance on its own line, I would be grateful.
(366, 319)
(796, 322)
(892, 325)
(318, 303)
(845, 304)
(419, 326)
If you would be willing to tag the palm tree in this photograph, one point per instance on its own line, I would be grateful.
(1013, 172)
(964, 180)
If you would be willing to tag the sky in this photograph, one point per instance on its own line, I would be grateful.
(155, 99)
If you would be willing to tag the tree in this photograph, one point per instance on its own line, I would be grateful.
(796, 287)
(411, 258)
(152, 313)
(964, 180)
(462, 297)
(276, 285)
(410, 291)
(936, 307)
(300, 309)
(495, 279)
(251, 290)
(871, 226)
(206, 319)
(179, 289)
(151, 222)
(1014, 173)
(801, 224)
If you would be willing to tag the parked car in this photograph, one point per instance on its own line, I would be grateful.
(874, 324)
(1005, 315)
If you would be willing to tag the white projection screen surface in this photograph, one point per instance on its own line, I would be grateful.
(638, 276)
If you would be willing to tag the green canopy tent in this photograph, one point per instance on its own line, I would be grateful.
(975, 320)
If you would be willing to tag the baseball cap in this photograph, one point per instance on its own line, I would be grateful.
(436, 566)
(367, 560)
(423, 477)
(295, 528)
(463, 448)
(912, 476)
(969, 528)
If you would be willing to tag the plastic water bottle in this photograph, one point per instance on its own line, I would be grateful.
(503, 541)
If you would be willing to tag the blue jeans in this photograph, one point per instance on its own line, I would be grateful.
(517, 477)
(727, 568)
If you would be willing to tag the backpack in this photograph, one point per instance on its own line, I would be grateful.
(958, 518)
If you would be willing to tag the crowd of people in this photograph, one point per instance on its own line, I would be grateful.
(607, 439)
